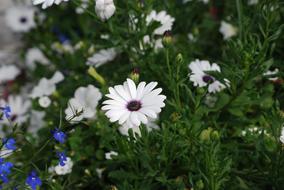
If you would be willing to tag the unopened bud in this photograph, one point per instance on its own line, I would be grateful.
(179, 58)
(167, 38)
(135, 75)
(92, 72)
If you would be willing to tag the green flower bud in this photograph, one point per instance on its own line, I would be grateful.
(167, 38)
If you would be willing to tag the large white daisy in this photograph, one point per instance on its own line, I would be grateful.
(200, 78)
(47, 3)
(20, 18)
(133, 105)
(85, 102)
(105, 9)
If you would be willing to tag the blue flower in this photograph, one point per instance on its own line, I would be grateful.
(5, 170)
(62, 158)
(59, 135)
(9, 143)
(7, 111)
(33, 180)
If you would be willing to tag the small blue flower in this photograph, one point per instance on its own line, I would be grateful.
(33, 180)
(62, 158)
(7, 111)
(59, 135)
(9, 143)
(5, 167)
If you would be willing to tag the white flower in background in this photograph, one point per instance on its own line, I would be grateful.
(46, 86)
(20, 18)
(102, 57)
(132, 105)
(163, 18)
(151, 125)
(44, 101)
(66, 169)
(200, 78)
(35, 55)
(282, 135)
(4, 153)
(204, 1)
(105, 9)
(8, 72)
(210, 100)
(19, 109)
(270, 73)
(61, 48)
(47, 3)
(252, 2)
(36, 121)
(85, 102)
(227, 30)
(99, 172)
(109, 155)
(84, 5)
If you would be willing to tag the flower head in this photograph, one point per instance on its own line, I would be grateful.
(9, 143)
(133, 105)
(8, 73)
(62, 158)
(163, 18)
(227, 30)
(200, 78)
(59, 135)
(102, 57)
(33, 180)
(63, 170)
(47, 3)
(6, 111)
(105, 9)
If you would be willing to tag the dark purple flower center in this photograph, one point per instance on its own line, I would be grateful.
(133, 105)
(23, 19)
(207, 78)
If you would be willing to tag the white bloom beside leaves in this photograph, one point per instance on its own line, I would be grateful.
(109, 155)
(133, 105)
(227, 30)
(84, 104)
(66, 169)
(20, 18)
(163, 18)
(46, 86)
(282, 135)
(8, 72)
(272, 74)
(200, 78)
(35, 55)
(102, 57)
(47, 3)
(44, 101)
(105, 9)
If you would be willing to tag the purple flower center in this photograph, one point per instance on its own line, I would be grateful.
(23, 20)
(207, 78)
(133, 105)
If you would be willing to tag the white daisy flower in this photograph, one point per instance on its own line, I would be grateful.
(19, 109)
(132, 105)
(20, 18)
(44, 101)
(8, 72)
(109, 155)
(252, 2)
(66, 169)
(163, 18)
(102, 57)
(85, 102)
(282, 135)
(105, 9)
(227, 30)
(46, 86)
(200, 78)
(35, 55)
(272, 73)
(47, 3)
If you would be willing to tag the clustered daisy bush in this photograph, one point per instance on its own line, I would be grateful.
(143, 95)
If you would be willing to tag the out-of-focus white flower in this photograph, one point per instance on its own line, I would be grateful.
(19, 109)
(85, 102)
(44, 101)
(4, 153)
(20, 18)
(66, 169)
(132, 105)
(210, 100)
(272, 73)
(282, 135)
(36, 121)
(102, 57)
(109, 155)
(47, 3)
(84, 5)
(46, 86)
(35, 55)
(252, 2)
(200, 78)
(8, 72)
(105, 9)
(100, 172)
(62, 48)
(163, 18)
(204, 1)
(227, 30)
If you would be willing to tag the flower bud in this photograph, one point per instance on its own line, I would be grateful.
(179, 58)
(199, 185)
(135, 75)
(92, 71)
(167, 38)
